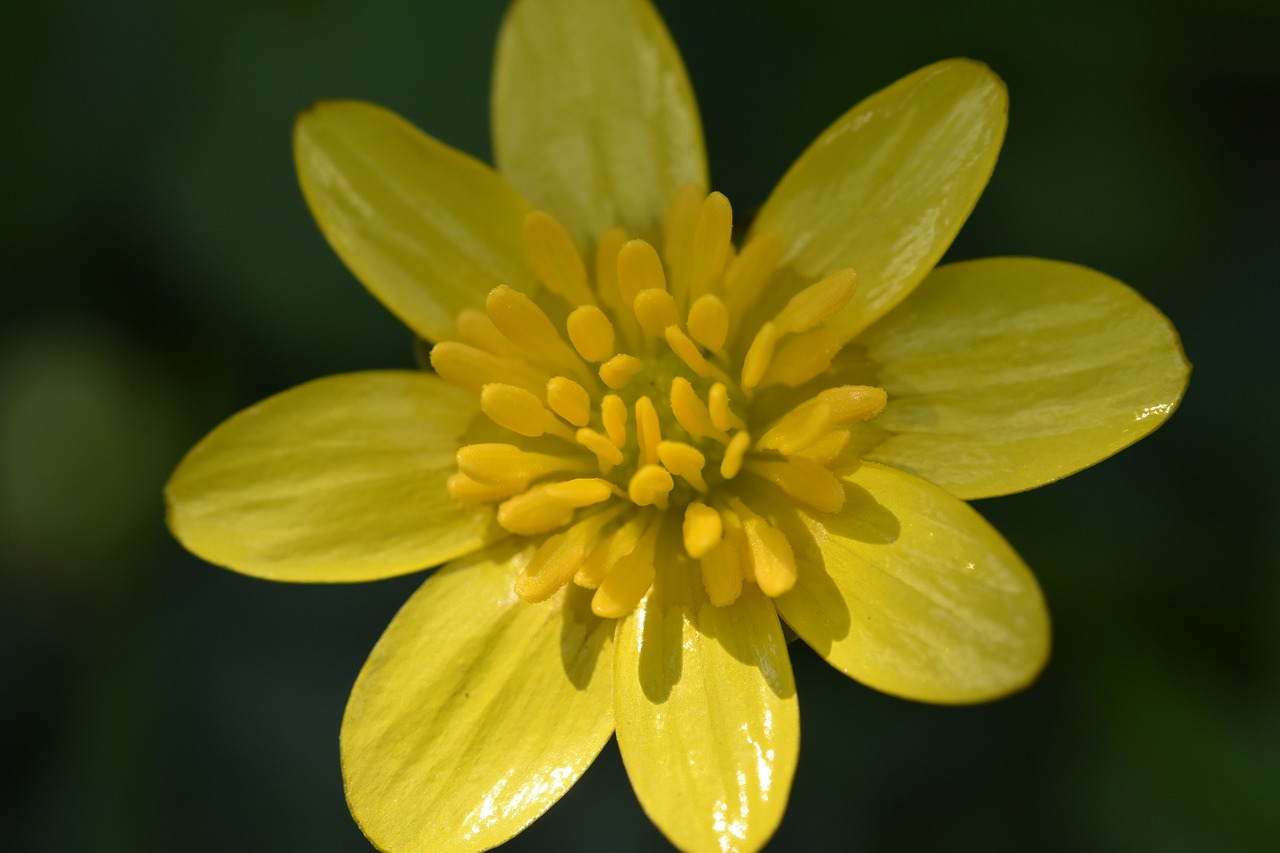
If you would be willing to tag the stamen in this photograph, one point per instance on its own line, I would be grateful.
(629, 578)
(555, 259)
(569, 400)
(559, 557)
(702, 529)
(750, 270)
(711, 241)
(648, 431)
(722, 574)
(639, 268)
(803, 480)
(853, 403)
(773, 563)
(827, 449)
(525, 325)
(758, 356)
(656, 310)
(506, 464)
(684, 461)
(546, 507)
(607, 453)
(613, 414)
(734, 453)
(684, 347)
(618, 371)
(818, 301)
(520, 411)
(607, 249)
(591, 333)
(709, 321)
(650, 486)
(722, 417)
(798, 428)
(609, 550)
(477, 329)
(802, 358)
(463, 488)
(677, 243)
(691, 413)
(735, 537)
(471, 368)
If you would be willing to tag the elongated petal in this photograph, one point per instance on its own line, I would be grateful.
(428, 229)
(341, 479)
(1007, 373)
(708, 722)
(885, 189)
(911, 592)
(476, 711)
(593, 115)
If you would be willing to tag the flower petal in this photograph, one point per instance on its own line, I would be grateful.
(1007, 373)
(886, 188)
(593, 115)
(708, 721)
(911, 592)
(341, 479)
(476, 711)
(427, 229)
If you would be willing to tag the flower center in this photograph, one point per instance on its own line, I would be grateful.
(660, 413)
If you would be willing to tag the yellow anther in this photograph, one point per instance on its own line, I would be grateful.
(559, 557)
(639, 268)
(477, 329)
(544, 508)
(656, 310)
(569, 400)
(802, 358)
(650, 486)
(852, 403)
(471, 368)
(609, 550)
(772, 561)
(702, 529)
(709, 321)
(683, 460)
(734, 454)
(827, 449)
(520, 411)
(711, 241)
(463, 488)
(758, 356)
(677, 243)
(747, 274)
(722, 417)
(555, 259)
(607, 453)
(803, 480)
(691, 413)
(735, 537)
(684, 347)
(617, 371)
(648, 431)
(525, 325)
(798, 428)
(613, 414)
(627, 582)
(507, 464)
(722, 574)
(818, 301)
(591, 333)
(607, 248)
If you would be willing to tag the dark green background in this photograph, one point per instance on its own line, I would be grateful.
(161, 272)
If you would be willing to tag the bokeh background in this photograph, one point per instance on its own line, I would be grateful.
(161, 272)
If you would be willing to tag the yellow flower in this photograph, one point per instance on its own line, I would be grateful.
(643, 448)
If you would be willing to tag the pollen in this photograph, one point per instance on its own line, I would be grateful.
(652, 400)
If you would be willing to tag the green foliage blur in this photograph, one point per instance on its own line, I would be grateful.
(161, 272)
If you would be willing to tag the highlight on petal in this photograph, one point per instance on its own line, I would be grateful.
(476, 710)
(593, 115)
(886, 188)
(911, 592)
(1007, 373)
(427, 229)
(340, 479)
(707, 716)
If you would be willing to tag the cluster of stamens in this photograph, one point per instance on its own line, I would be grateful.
(645, 414)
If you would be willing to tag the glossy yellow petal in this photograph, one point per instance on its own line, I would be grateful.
(708, 722)
(428, 229)
(885, 189)
(476, 711)
(1007, 373)
(593, 115)
(341, 479)
(911, 592)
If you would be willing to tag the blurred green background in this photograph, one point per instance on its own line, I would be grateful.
(162, 272)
